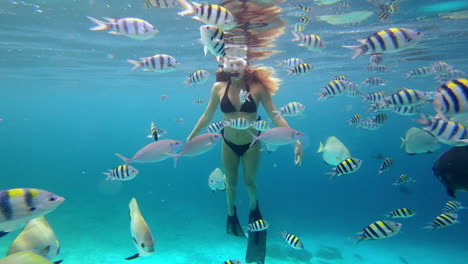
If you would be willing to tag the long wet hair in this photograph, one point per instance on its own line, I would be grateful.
(265, 76)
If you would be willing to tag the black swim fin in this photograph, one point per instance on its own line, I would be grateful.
(256, 248)
(233, 226)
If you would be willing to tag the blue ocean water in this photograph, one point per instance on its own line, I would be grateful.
(69, 101)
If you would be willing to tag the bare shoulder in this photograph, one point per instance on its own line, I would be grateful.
(218, 86)
(258, 89)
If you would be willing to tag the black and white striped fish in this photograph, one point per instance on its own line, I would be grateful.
(300, 69)
(379, 119)
(196, 78)
(198, 101)
(156, 63)
(216, 127)
(451, 98)
(378, 68)
(209, 14)
(290, 63)
(376, 59)
(406, 97)
(404, 179)
(232, 261)
(401, 213)
(348, 107)
(291, 109)
(238, 123)
(386, 165)
(374, 81)
(379, 230)
(368, 125)
(374, 97)
(441, 66)
(304, 19)
(298, 27)
(261, 125)
(334, 88)
(406, 110)
(128, 26)
(452, 207)
(340, 78)
(303, 7)
(292, 240)
(121, 173)
(354, 120)
(347, 166)
(447, 132)
(160, 3)
(212, 38)
(258, 225)
(156, 133)
(449, 75)
(20, 205)
(387, 41)
(310, 41)
(443, 220)
(419, 72)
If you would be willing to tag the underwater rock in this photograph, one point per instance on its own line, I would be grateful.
(329, 253)
(452, 170)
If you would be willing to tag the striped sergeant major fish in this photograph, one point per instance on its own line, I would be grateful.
(378, 68)
(298, 27)
(297, 13)
(443, 220)
(212, 38)
(376, 59)
(386, 165)
(261, 125)
(156, 63)
(447, 132)
(199, 101)
(387, 41)
(374, 97)
(37, 237)
(258, 225)
(374, 81)
(303, 7)
(401, 213)
(348, 107)
(18, 206)
(347, 166)
(354, 120)
(232, 261)
(292, 240)
(196, 78)
(419, 72)
(441, 66)
(238, 123)
(334, 88)
(379, 230)
(452, 207)
(121, 173)
(300, 69)
(404, 179)
(134, 28)
(451, 98)
(141, 233)
(160, 4)
(406, 97)
(209, 14)
(450, 75)
(379, 119)
(216, 127)
(310, 41)
(291, 109)
(368, 125)
(340, 78)
(290, 63)
(406, 110)
(156, 133)
(304, 19)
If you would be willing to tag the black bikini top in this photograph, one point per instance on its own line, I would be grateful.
(247, 107)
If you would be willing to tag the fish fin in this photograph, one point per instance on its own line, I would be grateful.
(359, 239)
(271, 148)
(226, 123)
(359, 49)
(114, 33)
(137, 64)
(45, 251)
(4, 233)
(58, 261)
(205, 50)
(333, 174)
(297, 36)
(133, 256)
(463, 141)
(175, 157)
(278, 113)
(197, 19)
(290, 71)
(149, 136)
(101, 25)
(110, 20)
(280, 63)
(255, 138)
(321, 147)
(189, 9)
(403, 142)
(126, 160)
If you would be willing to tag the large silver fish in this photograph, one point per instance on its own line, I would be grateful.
(141, 233)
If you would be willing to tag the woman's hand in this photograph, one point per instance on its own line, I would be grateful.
(298, 155)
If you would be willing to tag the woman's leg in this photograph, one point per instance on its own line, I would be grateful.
(231, 165)
(250, 161)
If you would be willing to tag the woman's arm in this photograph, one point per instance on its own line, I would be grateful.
(209, 112)
(269, 106)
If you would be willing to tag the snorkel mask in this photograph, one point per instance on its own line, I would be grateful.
(235, 61)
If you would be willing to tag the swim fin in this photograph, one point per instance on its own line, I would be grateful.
(233, 226)
(256, 248)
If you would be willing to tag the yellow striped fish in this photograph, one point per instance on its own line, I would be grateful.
(160, 3)
(404, 179)
(387, 41)
(310, 41)
(18, 206)
(451, 98)
(156, 63)
(354, 120)
(376, 59)
(419, 72)
(121, 173)
(209, 14)
(298, 27)
(452, 207)
(401, 213)
(128, 26)
(347, 166)
(292, 240)
(300, 69)
(232, 261)
(156, 133)
(443, 220)
(406, 97)
(447, 132)
(196, 78)
(258, 225)
(379, 230)
(386, 165)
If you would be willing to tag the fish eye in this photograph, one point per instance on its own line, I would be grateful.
(52, 199)
(142, 245)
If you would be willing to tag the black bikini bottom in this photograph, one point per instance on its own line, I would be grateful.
(238, 149)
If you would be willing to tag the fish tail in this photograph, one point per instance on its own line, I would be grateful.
(431, 227)
(109, 176)
(255, 139)
(187, 83)
(359, 239)
(279, 63)
(137, 64)
(58, 261)
(321, 147)
(101, 25)
(189, 9)
(126, 160)
(175, 157)
(423, 121)
(333, 174)
(297, 36)
(278, 113)
(290, 71)
(137, 255)
(358, 50)
(403, 142)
